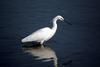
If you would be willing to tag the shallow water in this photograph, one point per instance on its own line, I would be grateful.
(75, 45)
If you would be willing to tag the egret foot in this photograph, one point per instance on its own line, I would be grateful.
(42, 46)
(56, 65)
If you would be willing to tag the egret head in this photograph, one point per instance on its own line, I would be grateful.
(59, 17)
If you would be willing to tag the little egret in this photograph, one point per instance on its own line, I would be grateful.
(43, 34)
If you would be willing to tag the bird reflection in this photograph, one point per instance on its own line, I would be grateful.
(42, 53)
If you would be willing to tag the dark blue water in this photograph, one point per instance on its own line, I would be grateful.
(78, 42)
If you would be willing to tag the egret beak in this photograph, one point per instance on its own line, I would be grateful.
(68, 22)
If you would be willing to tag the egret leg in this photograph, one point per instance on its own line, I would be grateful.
(41, 42)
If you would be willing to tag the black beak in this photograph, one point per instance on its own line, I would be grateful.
(68, 22)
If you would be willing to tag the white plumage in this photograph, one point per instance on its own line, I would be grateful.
(43, 34)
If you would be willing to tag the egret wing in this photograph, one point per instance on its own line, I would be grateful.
(37, 35)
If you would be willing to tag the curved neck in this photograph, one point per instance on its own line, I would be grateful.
(54, 28)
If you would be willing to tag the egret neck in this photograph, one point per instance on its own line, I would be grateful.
(54, 28)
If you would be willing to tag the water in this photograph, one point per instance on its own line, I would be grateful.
(73, 46)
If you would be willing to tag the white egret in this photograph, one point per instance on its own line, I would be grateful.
(43, 34)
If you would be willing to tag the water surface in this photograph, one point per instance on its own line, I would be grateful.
(74, 46)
